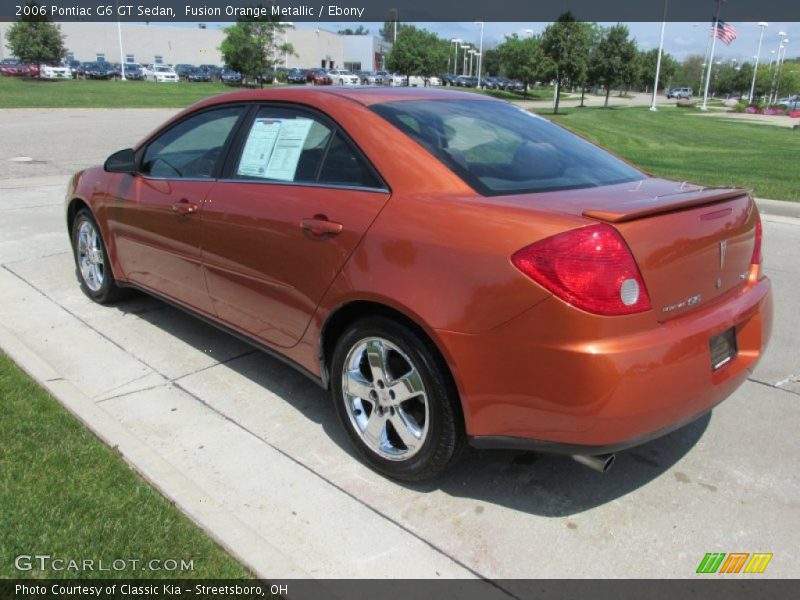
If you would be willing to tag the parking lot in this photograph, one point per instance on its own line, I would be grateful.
(261, 445)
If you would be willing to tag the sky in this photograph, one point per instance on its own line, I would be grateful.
(680, 39)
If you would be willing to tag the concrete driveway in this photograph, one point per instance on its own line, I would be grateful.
(260, 444)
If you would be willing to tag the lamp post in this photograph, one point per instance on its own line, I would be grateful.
(658, 60)
(781, 60)
(457, 42)
(467, 48)
(480, 53)
(471, 56)
(289, 25)
(782, 35)
(121, 51)
(763, 25)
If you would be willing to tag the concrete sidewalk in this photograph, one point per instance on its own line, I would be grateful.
(253, 452)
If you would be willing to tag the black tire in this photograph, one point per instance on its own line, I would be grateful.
(444, 439)
(108, 291)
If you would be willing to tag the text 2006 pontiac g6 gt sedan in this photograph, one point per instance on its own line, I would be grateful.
(453, 268)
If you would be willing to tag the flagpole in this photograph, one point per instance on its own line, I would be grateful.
(658, 61)
(711, 58)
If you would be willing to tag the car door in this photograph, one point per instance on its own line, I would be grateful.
(297, 198)
(154, 214)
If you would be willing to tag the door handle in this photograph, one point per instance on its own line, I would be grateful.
(320, 226)
(184, 208)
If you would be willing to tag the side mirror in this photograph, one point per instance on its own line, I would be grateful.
(123, 161)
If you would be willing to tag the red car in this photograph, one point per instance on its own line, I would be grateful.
(452, 268)
(11, 68)
(318, 77)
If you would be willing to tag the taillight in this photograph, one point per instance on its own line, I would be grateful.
(591, 268)
(756, 260)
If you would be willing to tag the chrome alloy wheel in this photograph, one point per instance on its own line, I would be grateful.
(385, 399)
(90, 256)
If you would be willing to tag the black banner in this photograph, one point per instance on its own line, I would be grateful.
(702, 588)
(404, 11)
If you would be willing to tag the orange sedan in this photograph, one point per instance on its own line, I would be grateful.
(451, 267)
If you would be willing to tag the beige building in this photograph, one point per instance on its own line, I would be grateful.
(313, 47)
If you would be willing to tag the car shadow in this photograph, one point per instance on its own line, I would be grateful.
(537, 484)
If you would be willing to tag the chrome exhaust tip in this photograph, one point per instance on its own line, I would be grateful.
(600, 463)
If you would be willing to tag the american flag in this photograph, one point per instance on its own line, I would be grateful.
(725, 32)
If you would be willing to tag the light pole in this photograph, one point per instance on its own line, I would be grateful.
(121, 51)
(471, 56)
(394, 11)
(467, 48)
(781, 60)
(480, 53)
(711, 58)
(763, 26)
(782, 35)
(457, 42)
(658, 60)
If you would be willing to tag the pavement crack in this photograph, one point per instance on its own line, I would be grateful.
(122, 395)
(216, 364)
(774, 386)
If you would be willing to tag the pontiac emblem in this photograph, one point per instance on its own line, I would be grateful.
(723, 246)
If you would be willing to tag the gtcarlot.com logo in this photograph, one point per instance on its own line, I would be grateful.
(735, 562)
(45, 562)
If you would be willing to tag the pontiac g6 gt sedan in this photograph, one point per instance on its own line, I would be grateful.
(452, 268)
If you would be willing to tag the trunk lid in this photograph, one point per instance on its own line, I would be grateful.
(692, 244)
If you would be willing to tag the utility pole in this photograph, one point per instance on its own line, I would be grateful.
(711, 58)
(658, 61)
(763, 26)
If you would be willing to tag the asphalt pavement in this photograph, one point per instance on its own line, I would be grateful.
(252, 451)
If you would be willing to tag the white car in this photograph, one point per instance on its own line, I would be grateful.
(343, 77)
(394, 80)
(790, 102)
(161, 74)
(419, 81)
(50, 72)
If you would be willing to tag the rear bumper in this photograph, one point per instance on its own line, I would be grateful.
(558, 380)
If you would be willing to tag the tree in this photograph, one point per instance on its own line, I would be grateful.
(522, 59)
(647, 69)
(360, 30)
(417, 52)
(252, 45)
(689, 72)
(491, 62)
(33, 39)
(387, 31)
(614, 63)
(566, 44)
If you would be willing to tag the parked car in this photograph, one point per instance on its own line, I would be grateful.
(97, 70)
(161, 74)
(366, 77)
(214, 71)
(133, 71)
(343, 77)
(381, 77)
(197, 76)
(394, 79)
(230, 77)
(55, 72)
(318, 77)
(183, 69)
(790, 102)
(529, 291)
(419, 81)
(466, 81)
(11, 67)
(680, 93)
(448, 79)
(296, 76)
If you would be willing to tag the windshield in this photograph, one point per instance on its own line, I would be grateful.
(497, 148)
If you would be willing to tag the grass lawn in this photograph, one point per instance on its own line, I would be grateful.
(680, 144)
(75, 93)
(65, 493)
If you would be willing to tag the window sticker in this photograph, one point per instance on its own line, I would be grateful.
(273, 148)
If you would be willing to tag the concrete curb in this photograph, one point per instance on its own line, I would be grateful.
(782, 208)
(257, 554)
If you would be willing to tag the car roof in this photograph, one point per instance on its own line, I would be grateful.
(366, 96)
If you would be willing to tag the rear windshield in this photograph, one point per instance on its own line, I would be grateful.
(498, 148)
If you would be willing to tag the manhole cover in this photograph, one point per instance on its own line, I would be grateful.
(20, 159)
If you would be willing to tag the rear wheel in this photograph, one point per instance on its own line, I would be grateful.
(91, 261)
(395, 399)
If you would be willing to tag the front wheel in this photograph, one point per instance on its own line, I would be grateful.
(91, 261)
(395, 399)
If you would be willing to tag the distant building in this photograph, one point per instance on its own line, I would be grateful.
(187, 45)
